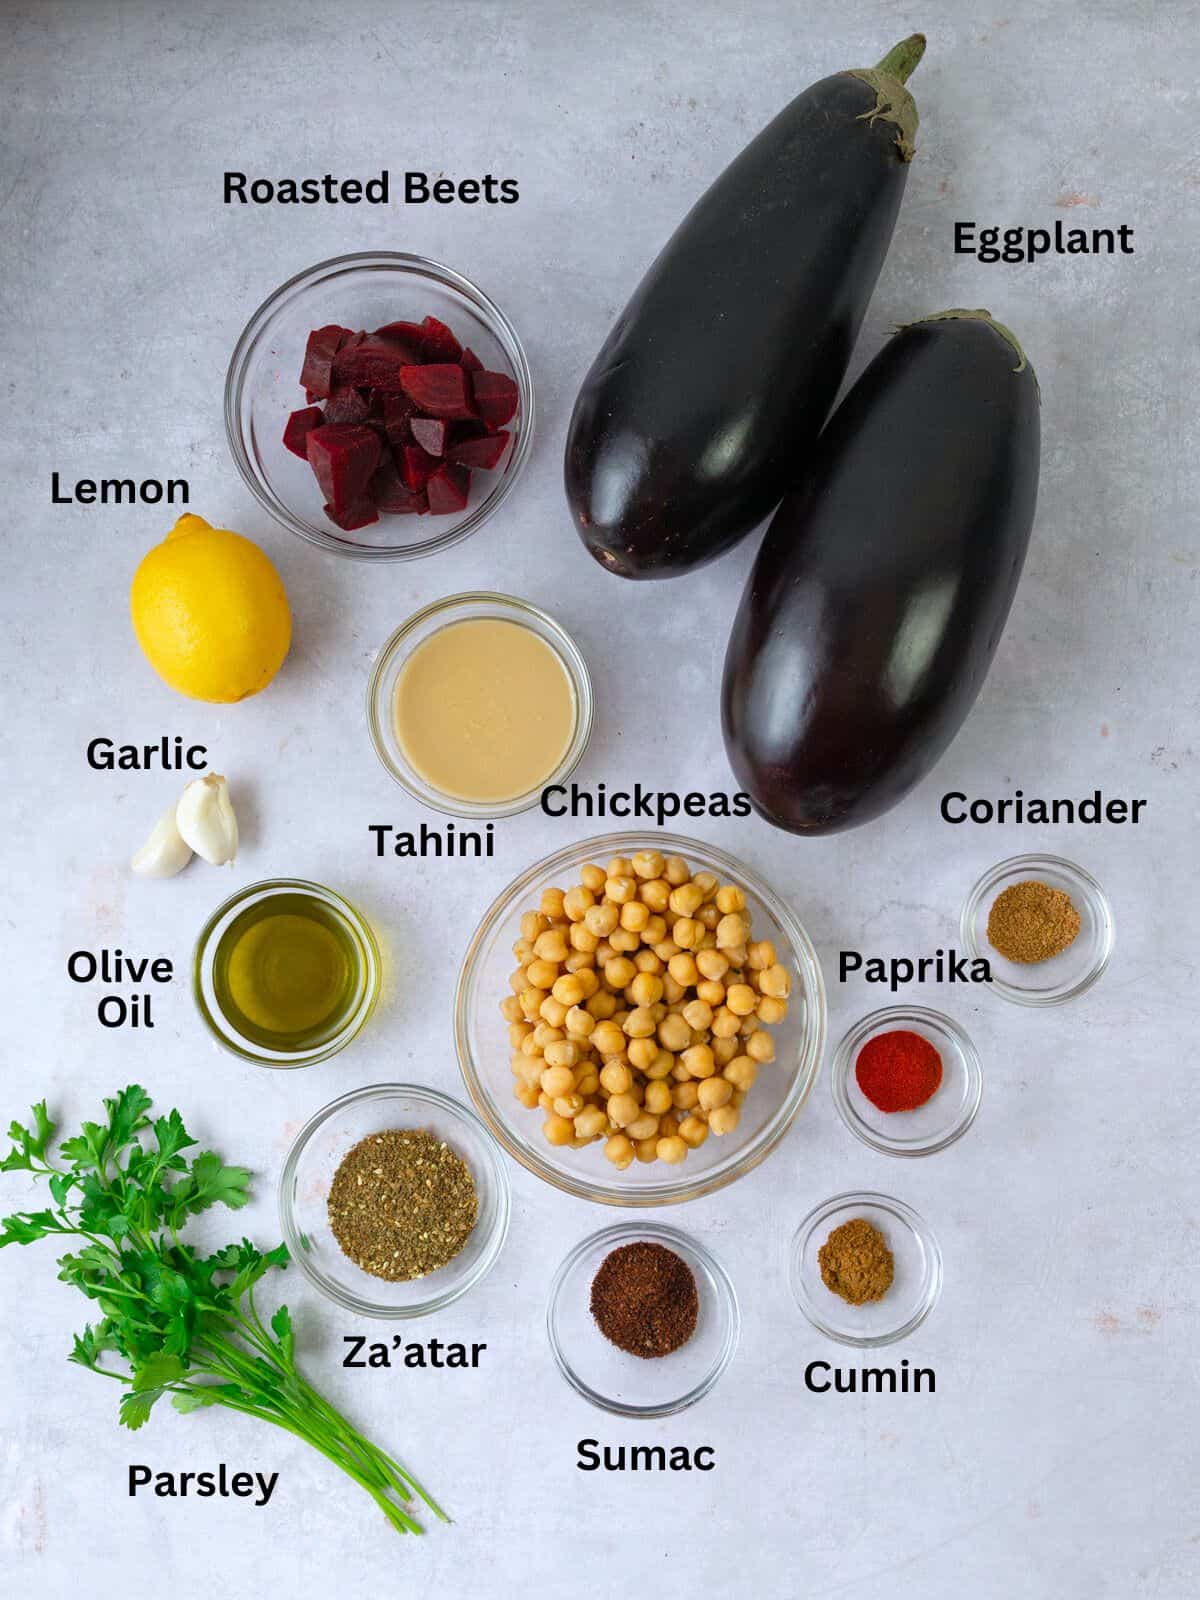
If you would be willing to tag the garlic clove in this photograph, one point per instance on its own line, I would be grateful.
(164, 852)
(205, 819)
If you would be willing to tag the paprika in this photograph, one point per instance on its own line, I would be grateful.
(898, 1071)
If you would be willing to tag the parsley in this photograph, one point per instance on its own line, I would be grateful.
(171, 1321)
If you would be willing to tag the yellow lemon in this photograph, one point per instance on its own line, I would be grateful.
(210, 612)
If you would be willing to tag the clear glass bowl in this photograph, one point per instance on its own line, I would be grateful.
(1062, 977)
(915, 1288)
(484, 1053)
(632, 1386)
(944, 1117)
(381, 691)
(262, 388)
(308, 1173)
(225, 1031)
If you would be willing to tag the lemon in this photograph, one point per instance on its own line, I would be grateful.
(210, 612)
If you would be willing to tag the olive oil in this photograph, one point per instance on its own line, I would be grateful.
(289, 972)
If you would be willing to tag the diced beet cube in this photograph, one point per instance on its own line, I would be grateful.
(440, 390)
(448, 489)
(398, 409)
(344, 458)
(323, 345)
(372, 363)
(495, 396)
(347, 404)
(430, 433)
(469, 361)
(411, 334)
(390, 493)
(359, 515)
(311, 394)
(485, 452)
(299, 425)
(437, 342)
(416, 466)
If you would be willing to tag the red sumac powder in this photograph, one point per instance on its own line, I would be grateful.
(898, 1071)
(644, 1299)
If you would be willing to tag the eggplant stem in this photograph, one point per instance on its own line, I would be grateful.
(902, 60)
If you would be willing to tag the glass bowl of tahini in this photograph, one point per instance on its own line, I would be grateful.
(477, 703)
(782, 1086)
(285, 973)
(307, 1178)
(365, 290)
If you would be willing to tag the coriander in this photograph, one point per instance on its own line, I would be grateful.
(1031, 921)
(402, 1204)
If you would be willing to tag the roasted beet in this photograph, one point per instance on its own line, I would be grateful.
(347, 404)
(411, 334)
(469, 361)
(373, 363)
(323, 345)
(439, 390)
(390, 493)
(398, 411)
(485, 452)
(416, 465)
(431, 434)
(344, 457)
(495, 396)
(448, 489)
(299, 425)
(359, 515)
(438, 343)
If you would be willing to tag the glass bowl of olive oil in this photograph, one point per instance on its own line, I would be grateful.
(286, 973)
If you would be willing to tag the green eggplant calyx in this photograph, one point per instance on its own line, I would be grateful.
(959, 314)
(893, 103)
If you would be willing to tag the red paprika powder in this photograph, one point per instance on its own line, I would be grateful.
(898, 1071)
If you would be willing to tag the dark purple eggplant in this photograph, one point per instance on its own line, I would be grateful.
(881, 589)
(708, 395)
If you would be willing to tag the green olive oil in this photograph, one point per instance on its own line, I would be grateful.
(289, 972)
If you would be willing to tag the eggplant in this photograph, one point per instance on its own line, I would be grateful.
(877, 600)
(708, 394)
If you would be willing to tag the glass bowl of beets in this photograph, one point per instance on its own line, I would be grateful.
(379, 405)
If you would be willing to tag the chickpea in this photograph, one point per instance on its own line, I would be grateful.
(684, 968)
(741, 1072)
(616, 1078)
(686, 900)
(770, 1011)
(588, 978)
(557, 1081)
(687, 933)
(619, 890)
(776, 981)
(760, 1046)
(730, 898)
(680, 1074)
(580, 1024)
(686, 1096)
(568, 1105)
(737, 955)
(592, 877)
(658, 1098)
(623, 1109)
(698, 1015)
(715, 1092)
(668, 1126)
(673, 992)
(646, 1150)
(552, 1012)
(552, 903)
(640, 1023)
(527, 1095)
(712, 964)
(510, 1008)
(648, 864)
(558, 1130)
(590, 1122)
(601, 919)
(531, 925)
(516, 980)
(723, 1120)
(601, 1005)
(603, 953)
(530, 1046)
(643, 1127)
(646, 989)
(562, 1053)
(666, 949)
(699, 1061)
(725, 1050)
(576, 902)
(523, 950)
(551, 945)
(708, 916)
(583, 940)
(731, 931)
(624, 941)
(568, 991)
(656, 894)
(619, 1151)
(634, 916)
(619, 867)
(671, 1150)
(608, 1039)
(711, 992)
(531, 998)
(647, 961)
(661, 1067)
(741, 999)
(675, 871)
(725, 1023)
(587, 1082)
(620, 972)
(708, 883)
(760, 955)
(642, 1053)
(654, 932)
(693, 1132)
(674, 1033)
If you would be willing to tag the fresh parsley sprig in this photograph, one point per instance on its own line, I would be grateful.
(172, 1321)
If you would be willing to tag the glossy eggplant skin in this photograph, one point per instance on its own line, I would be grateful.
(708, 394)
(879, 595)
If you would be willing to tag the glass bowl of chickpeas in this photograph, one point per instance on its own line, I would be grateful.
(639, 1019)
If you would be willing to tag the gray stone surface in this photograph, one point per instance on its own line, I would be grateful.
(1059, 1456)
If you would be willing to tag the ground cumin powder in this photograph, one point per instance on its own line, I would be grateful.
(856, 1263)
(1030, 922)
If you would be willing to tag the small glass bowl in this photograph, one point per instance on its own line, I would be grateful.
(381, 692)
(915, 1288)
(944, 1117)
(1062, 977)
(262, 387)
(634, 1386)
(308, 1173)
(774, 1103)
(203, 961)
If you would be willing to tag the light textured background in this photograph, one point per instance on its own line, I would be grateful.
(1059, 1456)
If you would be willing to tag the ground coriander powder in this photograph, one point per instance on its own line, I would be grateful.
(402, 1204)
(1031, 921)
(856, 1263)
